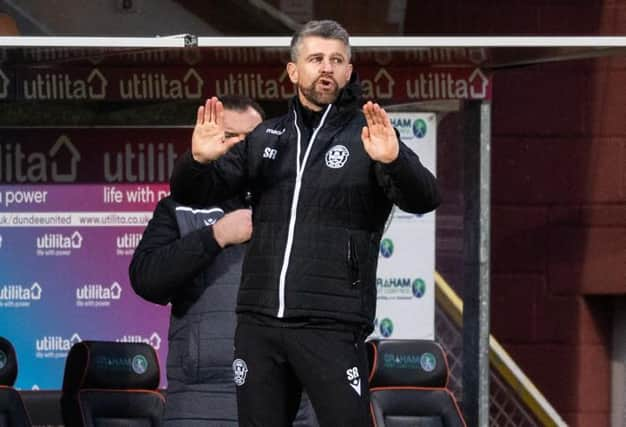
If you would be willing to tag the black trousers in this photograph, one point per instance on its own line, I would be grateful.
(273, 364)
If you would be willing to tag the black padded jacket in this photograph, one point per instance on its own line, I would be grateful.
(319, 208)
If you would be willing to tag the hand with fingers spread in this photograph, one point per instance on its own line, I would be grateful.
(208, 141)
(379, 137)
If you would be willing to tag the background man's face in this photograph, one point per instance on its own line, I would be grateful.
(238, 124)
(321, 71)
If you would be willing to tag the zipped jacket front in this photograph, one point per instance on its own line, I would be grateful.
(319, 209)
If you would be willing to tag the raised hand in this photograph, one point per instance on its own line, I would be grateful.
(233, 228)
(208, 141)
(379, 137)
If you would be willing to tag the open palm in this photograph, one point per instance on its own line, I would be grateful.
(208, 142)
(379, 137)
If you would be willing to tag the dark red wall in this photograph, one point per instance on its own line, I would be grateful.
(558, 196)
(559, 227)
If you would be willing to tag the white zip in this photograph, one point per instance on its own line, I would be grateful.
(294, 208)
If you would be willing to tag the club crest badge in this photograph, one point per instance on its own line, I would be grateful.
(337, 156)
(240, 370)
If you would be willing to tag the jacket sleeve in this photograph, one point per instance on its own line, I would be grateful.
(194, 183)
(407, 183)
(164, 262)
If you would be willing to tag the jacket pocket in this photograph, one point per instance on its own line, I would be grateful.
(362, 261)
(353, 262)
(189, 360)
(210, 348)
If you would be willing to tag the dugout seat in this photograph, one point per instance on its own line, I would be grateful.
(408, 385)
(12, 410)
(111, 384)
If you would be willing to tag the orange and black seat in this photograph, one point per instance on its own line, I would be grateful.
(408, 385)
(110, 384)
(12, 410)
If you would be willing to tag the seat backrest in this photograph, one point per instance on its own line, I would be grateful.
(12, 410)
(408, 385)
(108, 384)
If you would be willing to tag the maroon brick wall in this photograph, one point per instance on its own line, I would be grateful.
(558, 195)
(559, 226)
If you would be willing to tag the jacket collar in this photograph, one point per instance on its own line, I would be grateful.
(351, 96)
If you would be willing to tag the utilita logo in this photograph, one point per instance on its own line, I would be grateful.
(94, 291)
(96, 295)
(255, 85)
(160, 86)
(19, 296)
(47, 85)
(444, 85)
(55, 346)
(154, 340)
(59, 164)
(127, 243)
(19, 292)
(60, 241)
(140, 163)
(128, 240)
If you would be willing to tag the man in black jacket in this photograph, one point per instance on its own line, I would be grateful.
(323, 180)
(191, 258)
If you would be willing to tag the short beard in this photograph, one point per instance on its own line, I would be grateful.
(317, 98)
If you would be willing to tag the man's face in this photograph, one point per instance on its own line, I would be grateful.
(321, 70)
(238, 124)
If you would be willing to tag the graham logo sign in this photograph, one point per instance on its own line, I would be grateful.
(140, 364)
(154, 340)
(386, 327)
(418, 288)
(410, 128)
(401, 361)
(419, 128)
(386, 248)
(400, 288)
(428, 362)
(137, 364)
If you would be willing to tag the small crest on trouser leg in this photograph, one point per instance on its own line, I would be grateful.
(240, 370)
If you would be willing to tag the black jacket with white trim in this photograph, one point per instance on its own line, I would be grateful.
(319, 209)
